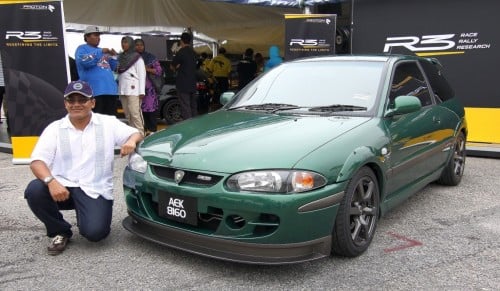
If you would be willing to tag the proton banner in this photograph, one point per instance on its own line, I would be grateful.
(35, 72)
(309, 35)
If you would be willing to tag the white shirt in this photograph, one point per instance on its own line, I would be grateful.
(132, 82)
(83, 158)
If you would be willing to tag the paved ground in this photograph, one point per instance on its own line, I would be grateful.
(440, 239)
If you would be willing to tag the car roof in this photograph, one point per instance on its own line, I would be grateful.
(376, 58)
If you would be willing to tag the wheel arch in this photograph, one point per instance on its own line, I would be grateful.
(364, 157)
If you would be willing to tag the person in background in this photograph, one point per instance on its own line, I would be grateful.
(259, 60)
(204, 62)
(220, 68)
(184, 63)
(73, 163)
(247, 68)
(274, 58)
(131, 83)
(149, 104)
(96, 65)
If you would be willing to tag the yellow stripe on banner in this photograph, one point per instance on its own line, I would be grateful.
(22, 1)
(483, 124)
(431, 54)
(292, 16)
(22, 146)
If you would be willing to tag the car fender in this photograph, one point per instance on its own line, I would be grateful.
(358, 158)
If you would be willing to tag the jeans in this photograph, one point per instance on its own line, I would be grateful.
(93, 215)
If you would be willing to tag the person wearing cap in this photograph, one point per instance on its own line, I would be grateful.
(95, 66)
(73, 163)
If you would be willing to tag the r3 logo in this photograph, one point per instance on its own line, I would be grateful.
(24, 35)
(439, 42)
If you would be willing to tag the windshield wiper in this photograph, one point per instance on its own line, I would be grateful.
(337, 107)
(270, 107)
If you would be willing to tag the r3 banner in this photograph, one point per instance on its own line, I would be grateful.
(34, 65)
(308, 35)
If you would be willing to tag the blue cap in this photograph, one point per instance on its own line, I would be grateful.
(78, 87)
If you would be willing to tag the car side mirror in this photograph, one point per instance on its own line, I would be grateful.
(404, 104)
(226, 97)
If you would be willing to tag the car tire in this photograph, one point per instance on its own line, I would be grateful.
(171, 111)
(357, 216)
(454, 170)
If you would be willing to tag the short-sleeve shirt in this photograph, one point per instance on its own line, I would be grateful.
(85, 158)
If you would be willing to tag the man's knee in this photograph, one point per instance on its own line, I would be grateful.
(95, 233)
(34, 191)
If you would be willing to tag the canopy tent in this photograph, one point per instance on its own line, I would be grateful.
(235, 26)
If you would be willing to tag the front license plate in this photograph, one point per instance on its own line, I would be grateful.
(179, 208)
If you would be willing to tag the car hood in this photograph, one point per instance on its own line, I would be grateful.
(230, 141)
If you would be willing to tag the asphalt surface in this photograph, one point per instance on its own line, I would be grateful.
(442, 238)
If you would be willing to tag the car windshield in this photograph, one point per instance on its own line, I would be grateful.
(315, 87)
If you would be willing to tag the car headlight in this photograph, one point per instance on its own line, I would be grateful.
(276, 181)
(137, 163)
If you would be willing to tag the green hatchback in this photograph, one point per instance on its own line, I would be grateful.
(301, 163)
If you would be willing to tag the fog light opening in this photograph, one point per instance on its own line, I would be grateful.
(235, 221)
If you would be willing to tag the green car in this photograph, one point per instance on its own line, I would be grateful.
(301, 163)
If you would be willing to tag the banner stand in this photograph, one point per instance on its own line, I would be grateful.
(35, 69)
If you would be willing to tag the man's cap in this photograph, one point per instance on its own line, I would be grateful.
(78, 87)
(91, 29)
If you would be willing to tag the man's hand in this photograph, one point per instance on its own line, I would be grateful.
(127, 148)
(109, 51)
(58, 192)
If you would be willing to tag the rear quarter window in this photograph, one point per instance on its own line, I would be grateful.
(440, 86)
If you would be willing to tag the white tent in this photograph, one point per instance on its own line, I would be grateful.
(235, 26)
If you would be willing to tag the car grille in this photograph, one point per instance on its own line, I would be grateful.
(190, 177)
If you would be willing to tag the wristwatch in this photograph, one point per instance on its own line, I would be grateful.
(47, 179)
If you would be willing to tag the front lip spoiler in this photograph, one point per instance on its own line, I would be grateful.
(228, 250)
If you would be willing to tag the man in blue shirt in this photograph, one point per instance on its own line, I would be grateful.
(96, 66)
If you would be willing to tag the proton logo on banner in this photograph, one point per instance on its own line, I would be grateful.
(309, 35)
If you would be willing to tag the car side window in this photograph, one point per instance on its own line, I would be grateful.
(440, 86)
(409, 80)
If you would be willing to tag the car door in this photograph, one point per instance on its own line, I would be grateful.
(415, 149)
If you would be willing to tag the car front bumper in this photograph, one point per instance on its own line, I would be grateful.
(229, 250)
(251, 228)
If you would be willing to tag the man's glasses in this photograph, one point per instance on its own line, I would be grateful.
(80, 101)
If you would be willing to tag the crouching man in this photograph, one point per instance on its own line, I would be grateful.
(73, 164)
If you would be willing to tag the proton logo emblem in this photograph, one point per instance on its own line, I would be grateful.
(178, 175)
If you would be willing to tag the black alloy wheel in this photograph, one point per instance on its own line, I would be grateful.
(171, 111)
(454, 170)
(358, 215)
